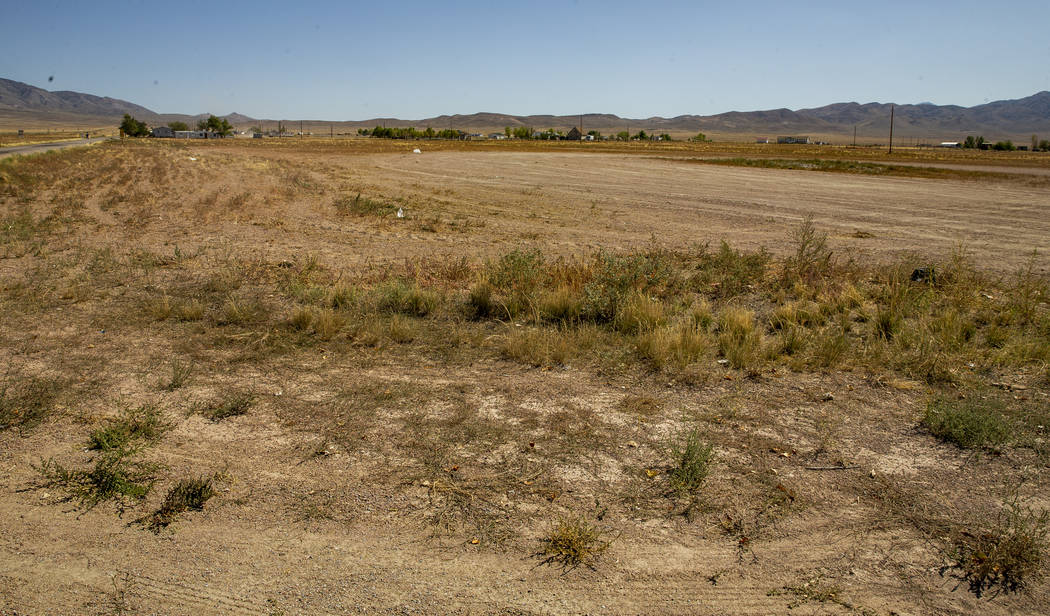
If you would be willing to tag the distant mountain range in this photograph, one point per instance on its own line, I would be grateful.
(1006, 119)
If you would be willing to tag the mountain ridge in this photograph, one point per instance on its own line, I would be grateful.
(1008, 118)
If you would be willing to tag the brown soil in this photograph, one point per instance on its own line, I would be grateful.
(327, 498)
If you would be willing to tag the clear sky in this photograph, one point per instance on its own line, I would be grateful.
(359, 60)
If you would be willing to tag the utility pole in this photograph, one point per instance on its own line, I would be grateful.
(854, 135)
(891, 129)
(301, 133)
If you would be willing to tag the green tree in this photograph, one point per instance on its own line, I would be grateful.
(202, 125)
(1004, 146)
(506, 131)
(623, 136)
(665, 137)
(641, 136)
(700, 137)
(176, 125)
(217, 125)
(1044, 145)
(255, 129)
(133, 128)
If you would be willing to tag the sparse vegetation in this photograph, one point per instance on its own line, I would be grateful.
(115, 476)
(438, 376)
(1009, 556)
(26, 402)
(971, 423)
(144, 425)
(575, 541)
(691, 460)
(185, 495)
(230, 405)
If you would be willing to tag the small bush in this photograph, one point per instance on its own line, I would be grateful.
(186, 494)
(231, 406)
(540, 347)
(25, 402)
(405, 298)
(236, 311)
(691, 460)
(638, 313)
(729, 272)
(481, 301)
(362, 206)
(739, 341)
(968, 423)
(673, 347)
(144, 424)
(115, 476)
(562, 305)
(812, 258)
(573, 542)
(180, 374)
(1008, 556)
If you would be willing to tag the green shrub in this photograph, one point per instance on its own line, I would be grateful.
(691, 460)
(144, 424)
(186, 494)
(970, 423)
(401, 297)
(114, 476)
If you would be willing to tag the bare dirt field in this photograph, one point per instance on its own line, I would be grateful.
(235, 380)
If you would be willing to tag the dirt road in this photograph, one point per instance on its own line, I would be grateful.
(46, 147)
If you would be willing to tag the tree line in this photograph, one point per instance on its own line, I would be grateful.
(136, 128)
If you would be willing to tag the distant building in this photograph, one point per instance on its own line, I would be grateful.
(950, 144)
(162, 131)
(196, 134)
(794, 139)
(497, 136)
(762, 140)
(574, 134)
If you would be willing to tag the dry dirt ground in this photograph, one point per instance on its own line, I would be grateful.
(421, 473)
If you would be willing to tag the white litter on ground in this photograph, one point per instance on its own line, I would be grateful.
(192, 158)
(400, 213)
(416, 151)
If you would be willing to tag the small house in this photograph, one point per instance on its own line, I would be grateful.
(796, 139)
(162, 132)
(573, 135)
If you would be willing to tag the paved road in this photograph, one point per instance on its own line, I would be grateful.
(44, 147)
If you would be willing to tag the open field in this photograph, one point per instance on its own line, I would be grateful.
(567, 379)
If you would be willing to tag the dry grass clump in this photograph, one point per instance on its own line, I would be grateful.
(27, 401)
(674, 347)
(133, 427)
(575, 541)
(185, 495)
(230, 405)
(739, 338)
(1009, 555)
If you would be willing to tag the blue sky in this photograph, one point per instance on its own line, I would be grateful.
(359, 60)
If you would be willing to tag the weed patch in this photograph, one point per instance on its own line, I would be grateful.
(970, 423)
(26, 402)
(575, 541)
(143, 424)
(231, 405)
(185, 495)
